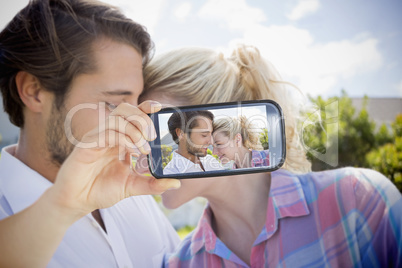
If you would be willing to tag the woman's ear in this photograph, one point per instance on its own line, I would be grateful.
(30, 91)
(238, 139)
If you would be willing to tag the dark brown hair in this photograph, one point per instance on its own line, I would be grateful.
(52, 40)
(185, 121)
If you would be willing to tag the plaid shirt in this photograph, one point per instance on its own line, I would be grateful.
(340, 218)
(259, 158)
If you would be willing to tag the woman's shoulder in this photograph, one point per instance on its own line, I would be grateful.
(345, 182)
(328, 177)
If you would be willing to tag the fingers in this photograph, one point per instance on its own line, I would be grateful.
(128, 120)
(137, 117)
(150, 106)
(128, 135)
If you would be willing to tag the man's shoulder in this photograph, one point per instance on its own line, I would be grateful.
(211, 163)
(170, 168)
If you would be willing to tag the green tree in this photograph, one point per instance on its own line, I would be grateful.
(264, 139)
(356, 132)
(387, 159)
(383, 136)
(166, 154)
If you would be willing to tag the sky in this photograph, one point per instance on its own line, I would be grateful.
(322, 46)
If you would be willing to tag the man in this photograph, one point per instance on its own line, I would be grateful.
(192, 131)
(60, 62)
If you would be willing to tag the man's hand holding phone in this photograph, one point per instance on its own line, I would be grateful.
(99, 177)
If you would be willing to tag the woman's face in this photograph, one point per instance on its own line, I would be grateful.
(224, 147)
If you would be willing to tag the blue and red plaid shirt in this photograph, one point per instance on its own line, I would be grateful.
(259, 158)
(340, 218)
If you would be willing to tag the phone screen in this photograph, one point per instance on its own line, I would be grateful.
(217, 140)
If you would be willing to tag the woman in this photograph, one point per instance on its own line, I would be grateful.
(237, 145)
(338, 218)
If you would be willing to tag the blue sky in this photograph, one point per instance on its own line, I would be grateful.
(322, 46)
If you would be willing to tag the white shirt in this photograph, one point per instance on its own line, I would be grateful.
(180, 164)
(138, 234)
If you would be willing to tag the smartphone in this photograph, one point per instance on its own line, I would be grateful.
(219, 139)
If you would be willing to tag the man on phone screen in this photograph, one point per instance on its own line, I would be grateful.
(192, 132)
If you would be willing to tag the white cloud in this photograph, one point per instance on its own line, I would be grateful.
(182, 11)
(148, 13)
(314, 67)
(233, 14)
(303, 8)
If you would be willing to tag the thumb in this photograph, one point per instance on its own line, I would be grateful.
(142, 185)
(141, 165)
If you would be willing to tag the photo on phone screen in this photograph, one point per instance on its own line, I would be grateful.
(217, 139)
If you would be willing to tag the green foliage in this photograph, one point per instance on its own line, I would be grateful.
(157, 198)
(355, 131)
(264, 139)
(387, 159)
(359, 144)
(184, 231)
(397, 126)
(383, 136)
(166, 154)
(214, 155)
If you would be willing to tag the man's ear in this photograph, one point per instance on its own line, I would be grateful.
(179, 133)
(30, 91)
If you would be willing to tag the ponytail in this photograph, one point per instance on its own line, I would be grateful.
(199, 76)
(260, 80)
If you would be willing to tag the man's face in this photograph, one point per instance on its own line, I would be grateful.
(199, 137)
(117, 79)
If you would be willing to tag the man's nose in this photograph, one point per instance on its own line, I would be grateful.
(210, 141)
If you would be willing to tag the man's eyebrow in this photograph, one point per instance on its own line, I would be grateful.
(201, 130)
(118, 92)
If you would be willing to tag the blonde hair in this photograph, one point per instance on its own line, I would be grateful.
(230, 127)
(200, 76)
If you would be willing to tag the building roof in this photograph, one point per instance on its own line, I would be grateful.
(381, 110)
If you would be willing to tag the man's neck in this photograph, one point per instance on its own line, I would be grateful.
(32, 151)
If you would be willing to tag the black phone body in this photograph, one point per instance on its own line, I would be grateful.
(264, 116)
